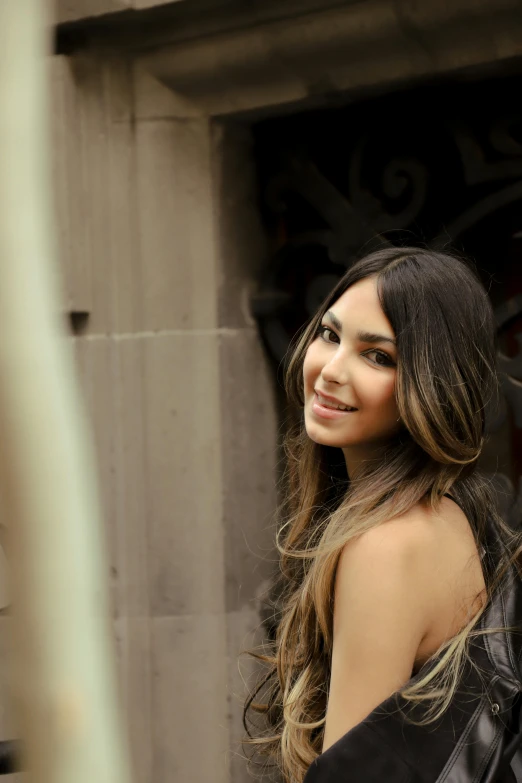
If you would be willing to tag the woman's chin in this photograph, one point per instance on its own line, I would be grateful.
(322, 435)
(322, 438)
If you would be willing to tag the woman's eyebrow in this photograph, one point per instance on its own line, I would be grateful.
(364, 337)
(370, 337)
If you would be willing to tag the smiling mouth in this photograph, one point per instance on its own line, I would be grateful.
(329, 412)
(324, 403)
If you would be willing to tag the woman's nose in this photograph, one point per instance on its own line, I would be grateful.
(336, 370)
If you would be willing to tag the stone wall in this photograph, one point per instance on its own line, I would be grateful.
(160, 244)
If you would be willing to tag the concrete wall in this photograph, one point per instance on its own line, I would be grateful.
(160, 243)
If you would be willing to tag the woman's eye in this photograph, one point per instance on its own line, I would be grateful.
(381, 359)
(324, 332)
(384, 359)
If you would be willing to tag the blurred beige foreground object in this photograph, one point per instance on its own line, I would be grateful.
(64, 684)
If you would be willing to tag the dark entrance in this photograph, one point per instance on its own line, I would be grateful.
(437, 165)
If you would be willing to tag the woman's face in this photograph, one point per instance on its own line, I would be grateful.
(352, 362)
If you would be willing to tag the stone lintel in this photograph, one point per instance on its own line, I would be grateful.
(349, 48)
(74, 10)
(142, 4)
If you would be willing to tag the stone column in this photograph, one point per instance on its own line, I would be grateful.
(161, 244)
(95, 175)
(210, 429)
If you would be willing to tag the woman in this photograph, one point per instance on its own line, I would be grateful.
(392, 550)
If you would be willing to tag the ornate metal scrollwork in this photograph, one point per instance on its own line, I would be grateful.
(402, 179)
(391, 184)
(505, 159)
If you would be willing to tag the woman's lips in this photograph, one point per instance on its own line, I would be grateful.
(328, 413)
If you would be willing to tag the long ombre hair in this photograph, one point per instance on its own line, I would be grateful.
(446, 380)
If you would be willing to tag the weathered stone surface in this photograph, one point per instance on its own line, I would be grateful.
(241, 238)
(155, 101)
(178, 272)
(184, 483)
(73, 10)
(308, 58)
(190, 738)
(132, 643)
(96, 363)
(248, 417)
(171, 368)
(111, 373)
(118, 290)
(94, 172)
(139, 4)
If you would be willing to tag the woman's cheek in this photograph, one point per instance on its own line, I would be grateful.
(387, 403)
(382, 391)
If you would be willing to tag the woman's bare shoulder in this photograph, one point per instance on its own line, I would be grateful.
(459, 588)
(439, 550)
(379, 620)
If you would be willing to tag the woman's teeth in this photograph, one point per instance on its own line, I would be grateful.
(328, 404)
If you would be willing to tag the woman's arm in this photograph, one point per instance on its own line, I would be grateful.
(383, 609)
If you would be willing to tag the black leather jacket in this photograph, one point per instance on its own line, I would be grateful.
(477, 740)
